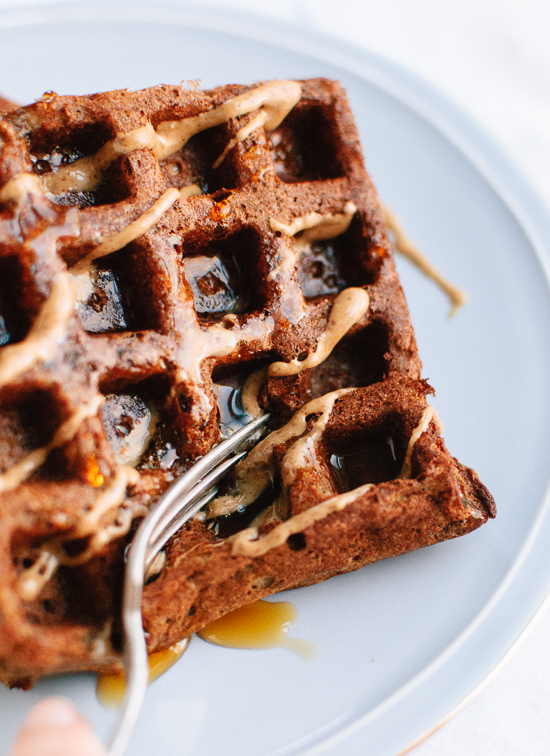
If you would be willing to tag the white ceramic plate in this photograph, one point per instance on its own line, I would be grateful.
(402, 642)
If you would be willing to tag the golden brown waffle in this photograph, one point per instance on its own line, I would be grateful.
(159, 250)
(6, 105)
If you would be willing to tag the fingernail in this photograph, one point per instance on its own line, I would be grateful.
(53, 711)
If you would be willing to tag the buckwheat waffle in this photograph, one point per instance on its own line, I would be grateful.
(6, 105)
(171, 262)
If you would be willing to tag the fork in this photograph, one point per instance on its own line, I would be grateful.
(185, 497)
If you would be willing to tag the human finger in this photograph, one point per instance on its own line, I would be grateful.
(55, 728)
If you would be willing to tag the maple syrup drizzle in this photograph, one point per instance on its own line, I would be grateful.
(111, 686)
(130, 425)
(261, 625)
(288, 257)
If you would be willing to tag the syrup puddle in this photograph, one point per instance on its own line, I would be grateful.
(111, 687)
(261, 625)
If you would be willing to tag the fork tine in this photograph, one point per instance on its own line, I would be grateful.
(184, 508)
(173, 527)
(135, 651)
(210, 461)
(178, 504)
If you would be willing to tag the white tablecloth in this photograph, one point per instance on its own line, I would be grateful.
(493, 58)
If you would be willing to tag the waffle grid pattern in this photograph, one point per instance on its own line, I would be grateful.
(205, 296)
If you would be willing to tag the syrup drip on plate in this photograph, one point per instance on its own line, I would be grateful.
(111, 686)
(261, 625)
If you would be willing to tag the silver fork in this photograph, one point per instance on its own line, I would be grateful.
(185, 497)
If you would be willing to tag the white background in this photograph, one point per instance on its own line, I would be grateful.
(492, 58)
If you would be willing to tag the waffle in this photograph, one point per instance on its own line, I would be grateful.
(172, 263)
(6, 105)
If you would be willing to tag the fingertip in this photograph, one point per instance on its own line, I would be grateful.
(55, 712)
(55, 728)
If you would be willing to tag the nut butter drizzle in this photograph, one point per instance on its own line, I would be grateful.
(32, 580)
(215, 341)
(315, 226)
(254, 473)
(429, 415)
(274, 100)
(86, 173)
(17, 188)
(49, 328)
(348, 308)
(250, 392)
(90, 523)
(137, 228)
(64, 434)
(405, 247)
(302, 452)
(248, 543)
